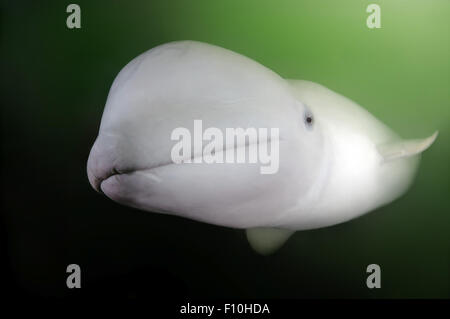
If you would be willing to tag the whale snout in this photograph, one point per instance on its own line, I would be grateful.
(123, 168)
(97, 170)
(102, 162)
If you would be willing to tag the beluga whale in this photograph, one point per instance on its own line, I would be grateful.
(335, 161)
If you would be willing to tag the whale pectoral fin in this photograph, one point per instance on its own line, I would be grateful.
(266, 240)
(405, 148)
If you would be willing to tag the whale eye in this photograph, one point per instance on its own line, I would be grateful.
(308, 119)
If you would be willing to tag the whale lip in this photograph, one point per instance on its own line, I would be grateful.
(96, 182)
(98, 172)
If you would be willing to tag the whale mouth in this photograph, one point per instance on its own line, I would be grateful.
(97, 183)
(96, 180)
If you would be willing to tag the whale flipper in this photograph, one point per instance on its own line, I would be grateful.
(266, 240)
(405, 148)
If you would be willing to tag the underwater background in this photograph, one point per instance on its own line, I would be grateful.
(55, 82)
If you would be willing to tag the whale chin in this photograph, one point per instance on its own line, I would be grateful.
(130, 189)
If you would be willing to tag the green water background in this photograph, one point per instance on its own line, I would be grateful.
(55, 82)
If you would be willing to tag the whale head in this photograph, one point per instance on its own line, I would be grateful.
(174, 86)
(318, 158)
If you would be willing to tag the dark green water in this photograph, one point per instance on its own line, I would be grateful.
(55, 82)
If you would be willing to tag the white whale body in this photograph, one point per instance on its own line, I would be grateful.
(336, 161)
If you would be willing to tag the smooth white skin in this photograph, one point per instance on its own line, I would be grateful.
(329, 172)
(359, 179)
(172, 85)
